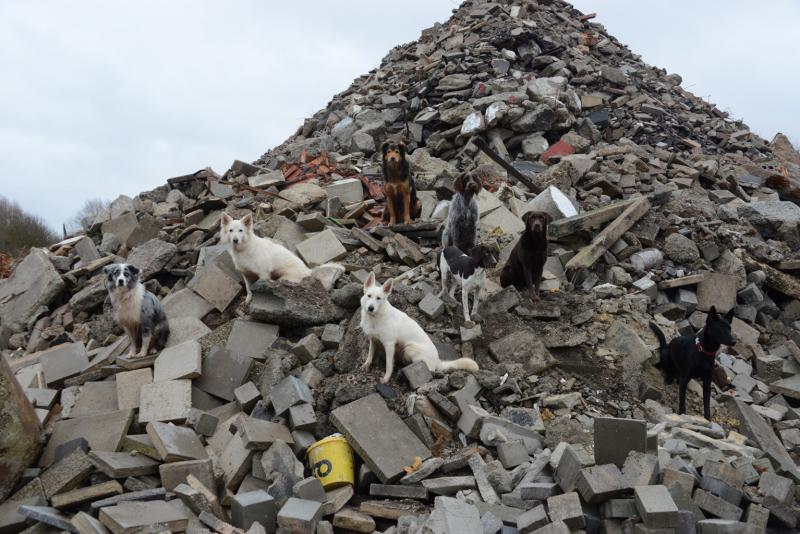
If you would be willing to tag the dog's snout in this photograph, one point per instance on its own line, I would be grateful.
(371, 307)
(120, 282)
(235, 240)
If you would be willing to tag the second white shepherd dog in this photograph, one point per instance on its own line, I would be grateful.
(397, 332)
(258, 257)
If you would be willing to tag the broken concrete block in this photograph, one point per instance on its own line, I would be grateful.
(246, 396)
(132, 517)
(48, 516)
(185, 303)
(321, 248)
(432, 306)
(349, 190)
(300, 516)
(175, 473)
(165, 401)
(379, 436)
(260, 435)
(532, 520)
(251, 339)
(353, 521)
(310, 489)
(123, 464)
(452, 515)
(708, 502)
(600, 483)
(19, 439)
(308, 348)
(302, 417)
(614, 438)
(175, 443)
(95, 398)
(202, 422)
(332, 336)
(567, 508)
(624, 340)
(215, 284)
(512, 453)
(11, 520)
(252, 506)
(178, 361)
(417, 374)
(282, 469)
(717, 289)
(656, 507)
(33, 284)
(235, 461)
(102, 432)
(289, 392)
(76, 497)
(230, 370)
(63, 361)
(129, 385)
(554, 202)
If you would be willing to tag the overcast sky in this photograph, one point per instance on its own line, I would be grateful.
(101, 98)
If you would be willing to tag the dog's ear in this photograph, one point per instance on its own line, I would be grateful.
(247, 221)
(370, 281)
(712, 312)
(402, 146)
(134, 270)
(729, 315)
(108, 269)
(547, 217)
(458, 183)
(385, 147)
(526, 217)
(226, 219)
(387, 286)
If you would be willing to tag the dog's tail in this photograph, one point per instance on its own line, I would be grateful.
(462, 363)
(663, 347)
(161, 334)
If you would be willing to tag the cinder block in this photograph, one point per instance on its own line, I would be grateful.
(247, 508)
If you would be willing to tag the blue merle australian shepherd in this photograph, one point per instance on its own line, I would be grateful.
(137, 310)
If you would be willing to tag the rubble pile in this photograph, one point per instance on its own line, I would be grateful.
(663, 206)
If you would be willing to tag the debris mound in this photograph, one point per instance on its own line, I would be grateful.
(663, 207)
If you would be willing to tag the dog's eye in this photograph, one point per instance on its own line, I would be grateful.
(231, 230)
(379, 298)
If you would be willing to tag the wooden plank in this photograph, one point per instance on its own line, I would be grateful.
(788, 265)
(585, 221)
(785, 283)
(589, 254)
(682, 281)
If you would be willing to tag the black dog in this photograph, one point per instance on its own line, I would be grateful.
(461, 227)
(525, 266)
(687, 357)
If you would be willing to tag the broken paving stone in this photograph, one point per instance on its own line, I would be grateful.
(260, 435)
(567, 508)
(178, 361)
(379, 436)
(300, 516)
(174, 473)
(48, 516)
(624, 340)
(417, 374)
(129, 385)
(432, 306)
(614, 438)
(247, 395)
(252, 506)
(216, 285)
(230, 370)
(63, 361)
(251, 339)
(302, 417)
(165, 401)
(175, 443)
(525, 347)
(102, 432)
(600, 483)
(123, 464)
(132, 517)
(289, 392)
(308, 348)
(33, 283)
(76, 497)
(321, 248)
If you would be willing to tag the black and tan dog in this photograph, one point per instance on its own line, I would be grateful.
(399, 187)
(525, 265)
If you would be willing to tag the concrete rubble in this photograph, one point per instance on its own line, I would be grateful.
(662, 207)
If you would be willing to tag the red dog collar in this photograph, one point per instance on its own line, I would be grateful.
(699, 346)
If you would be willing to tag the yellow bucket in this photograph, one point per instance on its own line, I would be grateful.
(331, 461)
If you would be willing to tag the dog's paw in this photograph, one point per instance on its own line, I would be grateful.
(248, 298)
(385, 379)
(365, 366)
